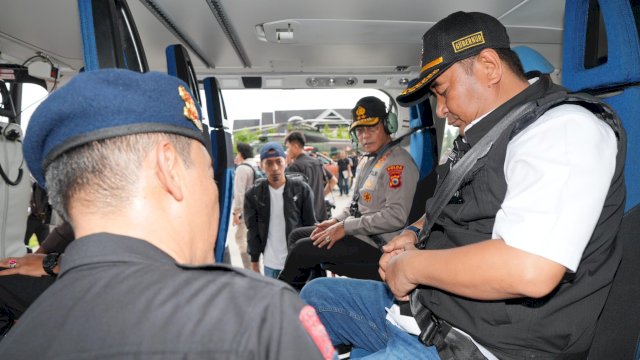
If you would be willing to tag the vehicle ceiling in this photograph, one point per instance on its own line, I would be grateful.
(364, 39)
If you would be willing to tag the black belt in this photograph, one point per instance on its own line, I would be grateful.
(450, 343)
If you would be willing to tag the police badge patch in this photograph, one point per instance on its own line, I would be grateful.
(311, 323)
(189, 111)
(395, 176)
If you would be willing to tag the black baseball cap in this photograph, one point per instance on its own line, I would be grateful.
(454, 38)
(368, 111)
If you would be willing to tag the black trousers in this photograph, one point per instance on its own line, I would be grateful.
(17, 292)
(304, 258)
(38, 227)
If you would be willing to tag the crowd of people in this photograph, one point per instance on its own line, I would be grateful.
(504, 268)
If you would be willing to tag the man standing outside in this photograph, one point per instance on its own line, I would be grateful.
(243, 180)
(344, 172)
(520, 261)
(273, 208)
(125, 163)
(319, 179)
(382, 199)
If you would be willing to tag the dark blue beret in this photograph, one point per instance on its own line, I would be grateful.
(103, 104)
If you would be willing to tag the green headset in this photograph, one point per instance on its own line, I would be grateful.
(389, 122)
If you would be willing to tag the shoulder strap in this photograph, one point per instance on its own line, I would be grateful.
(252, 169)
(452, 181)
(523, 115)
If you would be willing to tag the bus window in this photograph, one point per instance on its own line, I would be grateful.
(32, 96)
(324, 115)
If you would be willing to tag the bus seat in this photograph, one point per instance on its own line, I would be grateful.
(602, 56)
(532, 60)
(423, 147)
(15, 191)
(219, 145)
(223, 167)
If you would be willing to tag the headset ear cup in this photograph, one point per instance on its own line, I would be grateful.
(392, 123)
(354, 138)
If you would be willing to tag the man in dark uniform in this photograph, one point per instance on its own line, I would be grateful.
(124, 160)
(519, 262)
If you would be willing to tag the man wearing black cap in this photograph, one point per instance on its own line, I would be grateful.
(273, 208)
(123, 157)
(382, 198)
(519, 262)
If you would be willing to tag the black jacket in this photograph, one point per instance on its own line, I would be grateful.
(316, 176)
(123, 298)
(298, 211)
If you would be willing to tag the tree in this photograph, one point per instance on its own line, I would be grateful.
(245, 136)
(342, 133)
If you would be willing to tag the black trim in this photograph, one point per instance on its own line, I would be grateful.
(169, 25)
(116, 36)
(221, 16)
(122, 130)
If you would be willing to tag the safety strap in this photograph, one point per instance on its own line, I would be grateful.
(454, 178)
(9, 181)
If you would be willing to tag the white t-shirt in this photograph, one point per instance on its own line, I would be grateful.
(275, 252)
(558, 171)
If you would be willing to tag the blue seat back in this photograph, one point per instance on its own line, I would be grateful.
(612, 70)
(223, 167)
(423, 147)
(179, 64)
(423, 144)
(532, 60)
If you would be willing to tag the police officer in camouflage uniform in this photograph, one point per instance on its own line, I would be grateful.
(385, 185)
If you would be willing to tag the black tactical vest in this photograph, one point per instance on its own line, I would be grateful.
(562, 324)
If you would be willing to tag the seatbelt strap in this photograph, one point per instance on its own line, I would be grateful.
(454, 178)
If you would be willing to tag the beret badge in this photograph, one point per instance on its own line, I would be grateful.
(361, 112)
(189, 111)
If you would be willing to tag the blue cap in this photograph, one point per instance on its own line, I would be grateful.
(270, 150)
(108, 103)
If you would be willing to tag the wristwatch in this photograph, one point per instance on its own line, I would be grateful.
(415, 229)
(49, 263)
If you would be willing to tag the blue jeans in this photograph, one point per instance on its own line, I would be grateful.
(343, 184)
(272, 273)
(353, 313)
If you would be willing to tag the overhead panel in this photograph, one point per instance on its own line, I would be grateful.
(155, 37)
(198, 23)
(378, 35)
(27, 26)
(537, 26)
